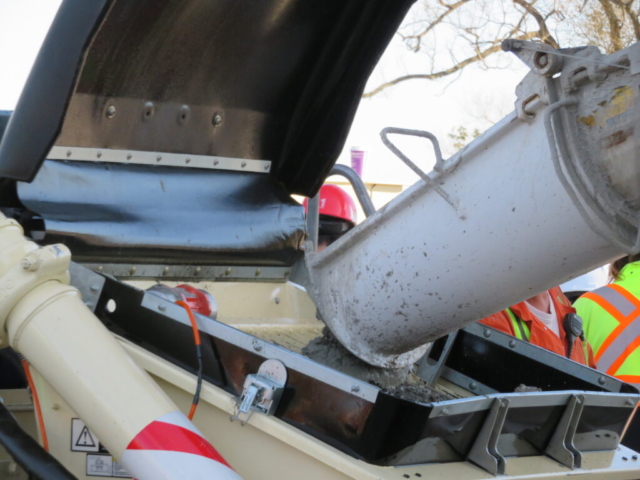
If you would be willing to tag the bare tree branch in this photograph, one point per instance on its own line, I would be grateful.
(545, 34)
(443, 73)
(614, 24)
(454, 34)
(450, 8)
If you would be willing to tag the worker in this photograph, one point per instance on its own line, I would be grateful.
(547, 320)
(612, 325)
(337, 215)
(611, 317)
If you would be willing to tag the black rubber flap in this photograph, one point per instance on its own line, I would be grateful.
(133, 213)
(276, 80)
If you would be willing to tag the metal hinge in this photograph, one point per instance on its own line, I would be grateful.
(262, 391)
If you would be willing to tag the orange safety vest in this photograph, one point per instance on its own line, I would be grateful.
(624, 339)
(537, 333)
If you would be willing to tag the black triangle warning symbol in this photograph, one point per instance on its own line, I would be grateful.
(85, 439)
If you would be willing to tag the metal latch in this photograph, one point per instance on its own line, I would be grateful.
(261, 391)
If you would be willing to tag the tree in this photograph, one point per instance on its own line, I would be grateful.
(460, 136)
(473, 30)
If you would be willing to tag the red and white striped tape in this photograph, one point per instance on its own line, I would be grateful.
(171, 448)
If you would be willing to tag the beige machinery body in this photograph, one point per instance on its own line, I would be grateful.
(266, 447)
(132, 150)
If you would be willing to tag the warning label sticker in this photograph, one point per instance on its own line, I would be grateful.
(82, 440)
(100, 465)
(119, 471)
(105, 466)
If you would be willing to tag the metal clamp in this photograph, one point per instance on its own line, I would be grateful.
(261, 392)
(484, 451)
(430, 369)
(561, 446)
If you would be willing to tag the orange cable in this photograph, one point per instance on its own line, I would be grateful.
(36, 404)
(196, 336)
(192, 318)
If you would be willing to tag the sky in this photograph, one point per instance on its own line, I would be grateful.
(436, 106)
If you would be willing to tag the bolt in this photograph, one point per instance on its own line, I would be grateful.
(355, 388)
(266, 166)
(165, 270)
(256, 346)
(512, 343)
(243, 164)
(635, 457)
(55, 406)
(132, 271)
(543, 60)
(217, 119)
(625, 458)
(159, 158)
(162, 308)
(473, 385)
(99, 269)
(444, 412)
(129, 156)
(601, 380)
(487, 332)
(188, 160)
(216, 162)
(277, 300)
(99, 154)
(198, 270)
(111, 112)
(630, 403)
(31, 263)
(258, 271)
(68, 153)
(13, 468)
(227, 272)
(94, 288)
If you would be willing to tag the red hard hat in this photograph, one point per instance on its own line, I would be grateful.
(335, 202)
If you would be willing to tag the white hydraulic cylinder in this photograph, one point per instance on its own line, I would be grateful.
(47, 322)
(503, 220)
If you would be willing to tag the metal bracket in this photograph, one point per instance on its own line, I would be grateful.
(88, 283)
(542, 59)
(561, 446)
(484, 451)
(440, 168)
(429, 369)
(261, 392)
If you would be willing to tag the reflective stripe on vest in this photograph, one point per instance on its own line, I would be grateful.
(625, 338)
(520, 327)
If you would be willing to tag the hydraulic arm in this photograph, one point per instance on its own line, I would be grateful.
(44, 319)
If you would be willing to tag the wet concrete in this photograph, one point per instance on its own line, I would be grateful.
(328, 351)
(417, 391)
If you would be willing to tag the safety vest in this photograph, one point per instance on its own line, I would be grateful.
(523, 332)
(520, 327)
(614, 330)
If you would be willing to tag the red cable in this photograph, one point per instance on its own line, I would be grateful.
(36, 404)
(196, 336)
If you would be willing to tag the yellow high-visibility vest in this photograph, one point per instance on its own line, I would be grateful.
(611, 317)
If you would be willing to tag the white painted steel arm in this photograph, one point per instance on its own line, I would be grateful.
(47, 322)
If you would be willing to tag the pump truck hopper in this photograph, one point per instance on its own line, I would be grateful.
(160, 141)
